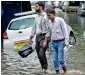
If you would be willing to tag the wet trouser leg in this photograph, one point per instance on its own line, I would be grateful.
(41, 53)
(42, 57)
(58, 54)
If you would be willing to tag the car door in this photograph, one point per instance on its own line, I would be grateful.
(20, 29)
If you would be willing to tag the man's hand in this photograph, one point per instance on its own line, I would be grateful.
(44, 44)
(67, 43)
(30, 41)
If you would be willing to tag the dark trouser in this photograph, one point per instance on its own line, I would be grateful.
(41, 51)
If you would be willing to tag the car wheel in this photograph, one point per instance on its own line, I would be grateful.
(67, 11)
(72, 40)
(63, 10)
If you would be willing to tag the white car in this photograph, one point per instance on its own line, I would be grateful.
(81, 9)
(20, 29)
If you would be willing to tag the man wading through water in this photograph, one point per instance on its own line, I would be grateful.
(59, 37)
(40, 36)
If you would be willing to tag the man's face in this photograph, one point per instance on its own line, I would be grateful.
(50, 16)
(37, 8)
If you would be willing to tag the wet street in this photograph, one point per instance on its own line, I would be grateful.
(13, 64)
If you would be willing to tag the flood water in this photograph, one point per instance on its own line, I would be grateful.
(13, 64)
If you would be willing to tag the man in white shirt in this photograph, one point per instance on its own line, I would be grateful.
(40, 35)
(59, 37)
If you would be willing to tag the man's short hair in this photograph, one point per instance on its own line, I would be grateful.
(41, 3)
(51, 11)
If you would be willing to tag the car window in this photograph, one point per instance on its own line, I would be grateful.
(80, 5)
(22, 24)
(83, 5)
(66, 3)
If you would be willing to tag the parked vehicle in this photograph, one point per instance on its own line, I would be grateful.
(81, 9)
(72, 38)
(70, 6)
(65, 6)
(20, 29)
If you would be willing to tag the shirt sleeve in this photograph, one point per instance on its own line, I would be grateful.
(45, 26)
(33, 31)
(64, 29)
(48, 34)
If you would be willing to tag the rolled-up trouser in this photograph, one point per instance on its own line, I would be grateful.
(58, 54)
(41, 51)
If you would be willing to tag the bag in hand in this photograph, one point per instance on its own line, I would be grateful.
(25, 51)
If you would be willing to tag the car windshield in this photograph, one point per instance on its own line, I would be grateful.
(22, 24)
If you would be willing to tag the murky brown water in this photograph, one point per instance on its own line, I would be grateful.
(13, 64)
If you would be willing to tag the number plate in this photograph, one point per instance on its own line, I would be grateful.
(20, 45)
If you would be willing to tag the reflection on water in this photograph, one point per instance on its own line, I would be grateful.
(66, 18)
(75, 21)
(81, 21)
(75, 57)
(13, 64)
(73, 18)
(84, 35)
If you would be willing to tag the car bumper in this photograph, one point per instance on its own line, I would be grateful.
(9, 44)
(82, 13)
